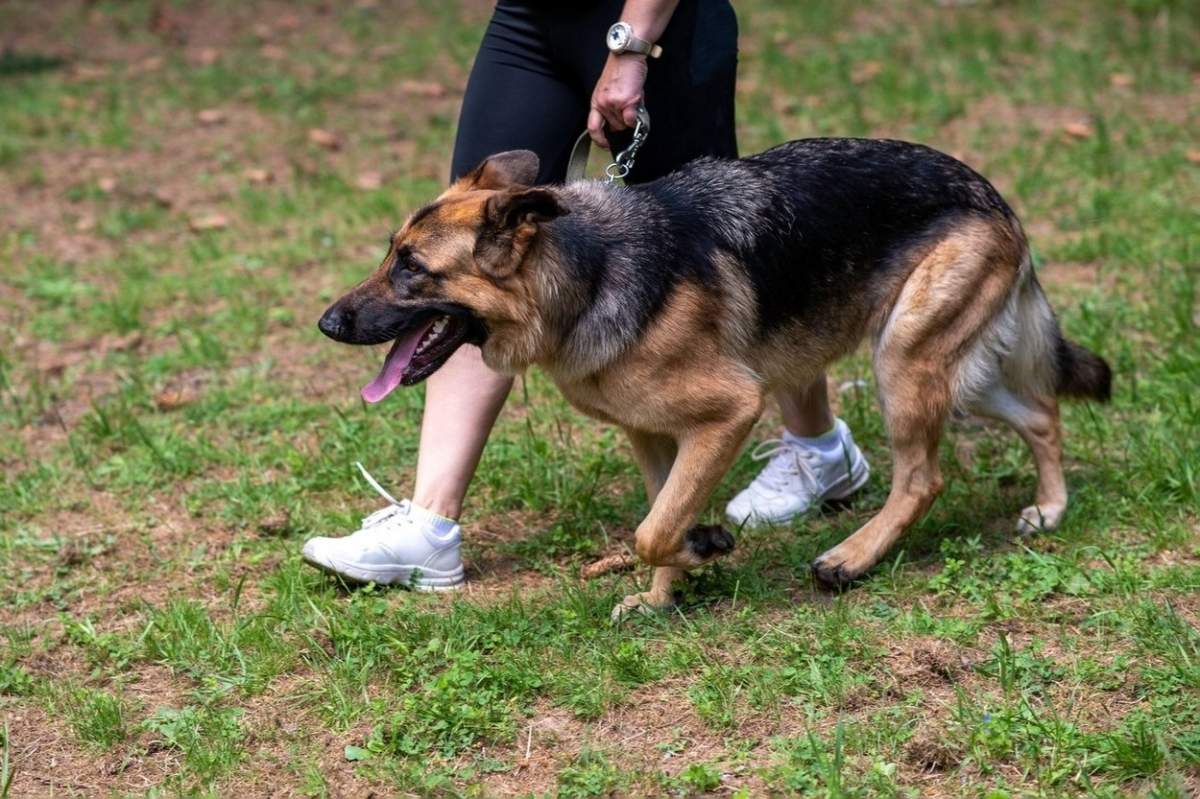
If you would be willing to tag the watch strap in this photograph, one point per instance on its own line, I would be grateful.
(642, 47)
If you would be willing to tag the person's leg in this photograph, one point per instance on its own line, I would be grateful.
(815, 460)
(514, 100)
(805, 410)
(462, 401)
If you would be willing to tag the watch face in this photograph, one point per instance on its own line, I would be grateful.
(618, 36)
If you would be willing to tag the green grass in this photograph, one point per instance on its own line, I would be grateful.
(155, 630)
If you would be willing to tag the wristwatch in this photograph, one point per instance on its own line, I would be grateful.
(620, 39)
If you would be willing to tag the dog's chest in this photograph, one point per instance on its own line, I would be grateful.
(588, 396)
(630, 399)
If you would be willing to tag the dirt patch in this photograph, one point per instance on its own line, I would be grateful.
(930, 750)
(48, 760)
(925, 662)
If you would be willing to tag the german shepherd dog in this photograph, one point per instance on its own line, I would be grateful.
(672, 308)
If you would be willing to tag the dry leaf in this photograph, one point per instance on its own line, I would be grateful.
(90, 71)
(170, 399)
(1121, 80)
(288, 22)
(211, 116)
(865, 71)
(106, 184)
(213, 221)
(369, 181)
(323, 138)
(1193, 156)
(272, 52)
(612, 563)
(129, 341)
(257, 175)
(422, 88)
(262, 30)
(85, 223)
(1080, 130)
(205, 56)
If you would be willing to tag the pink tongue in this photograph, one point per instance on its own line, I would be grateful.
(393, 366)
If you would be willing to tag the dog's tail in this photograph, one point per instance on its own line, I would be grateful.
(1063, 367)
(1025, 342)
(1080, 372)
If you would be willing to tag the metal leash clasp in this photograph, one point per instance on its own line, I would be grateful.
(620, 167)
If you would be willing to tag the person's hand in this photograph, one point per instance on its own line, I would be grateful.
(617, 95)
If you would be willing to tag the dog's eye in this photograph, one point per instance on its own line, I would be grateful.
(407, 263)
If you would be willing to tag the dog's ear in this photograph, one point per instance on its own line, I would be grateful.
(504, 170)
(511, 220)
(513, 208)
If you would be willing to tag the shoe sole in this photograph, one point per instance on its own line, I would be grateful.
(837, 501)
(428, 580)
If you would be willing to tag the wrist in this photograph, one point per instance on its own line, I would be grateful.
(623, 38)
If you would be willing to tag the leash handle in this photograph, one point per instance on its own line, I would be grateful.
(577, 165)
(621, 165)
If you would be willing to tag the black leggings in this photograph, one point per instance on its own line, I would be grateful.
(532, 83)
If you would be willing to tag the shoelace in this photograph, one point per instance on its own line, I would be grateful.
(394, 505)
(781, 467)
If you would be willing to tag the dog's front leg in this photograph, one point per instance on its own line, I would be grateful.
(666, 538)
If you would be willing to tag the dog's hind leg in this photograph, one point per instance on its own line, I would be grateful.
(1036, 420)
(946, 304)
(1015, 367)
(916, 407)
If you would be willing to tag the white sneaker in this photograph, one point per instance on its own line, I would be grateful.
(799, 476)
(396, 545)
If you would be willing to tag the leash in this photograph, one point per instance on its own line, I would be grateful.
(620, 167)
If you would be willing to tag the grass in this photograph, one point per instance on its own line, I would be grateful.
(172, 427)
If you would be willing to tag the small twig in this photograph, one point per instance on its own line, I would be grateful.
(612, 563)
(528, 743)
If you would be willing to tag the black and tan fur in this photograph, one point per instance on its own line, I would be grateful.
(673, 308)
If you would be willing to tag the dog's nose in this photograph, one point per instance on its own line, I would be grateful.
(336, 323)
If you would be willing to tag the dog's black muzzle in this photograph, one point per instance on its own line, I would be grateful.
(369, 324)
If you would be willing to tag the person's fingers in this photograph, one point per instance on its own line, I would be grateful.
(595, 125)
(613, 118)
(629, 115)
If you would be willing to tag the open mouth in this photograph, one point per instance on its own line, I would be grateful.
(417, 353)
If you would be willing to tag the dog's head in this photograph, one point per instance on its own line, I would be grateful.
(458, 271)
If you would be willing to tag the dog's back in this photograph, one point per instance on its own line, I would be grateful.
(817, 221)
(828, 231)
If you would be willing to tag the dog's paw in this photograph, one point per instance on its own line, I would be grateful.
(637, 603)
(832, 571)
(1039, 519)
(708, 541)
